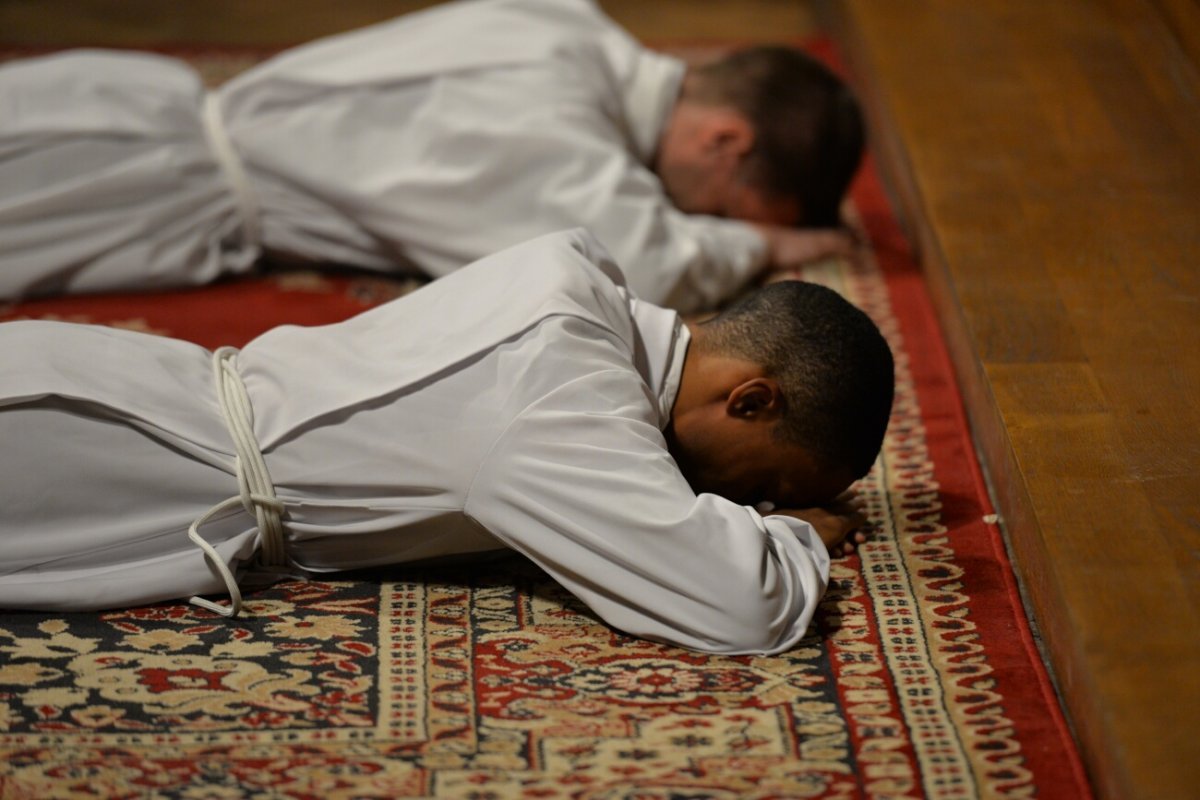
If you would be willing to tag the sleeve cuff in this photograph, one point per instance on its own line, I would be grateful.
(731, 254)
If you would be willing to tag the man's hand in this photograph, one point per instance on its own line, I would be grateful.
(835, 522)
(791, 248)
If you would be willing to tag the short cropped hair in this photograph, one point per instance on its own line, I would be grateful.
(808, 126)
(831, 361)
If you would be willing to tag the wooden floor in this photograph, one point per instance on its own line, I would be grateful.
(1046, 155)
(148, 23)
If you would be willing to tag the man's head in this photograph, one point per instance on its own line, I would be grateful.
(766, 135)
(785, 398)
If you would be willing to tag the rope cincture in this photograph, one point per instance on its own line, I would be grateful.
(256, 493)
(233, 169)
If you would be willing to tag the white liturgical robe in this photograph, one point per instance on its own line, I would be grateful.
(518, 403)
(422, 143)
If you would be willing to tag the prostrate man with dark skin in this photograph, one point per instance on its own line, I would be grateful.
(423, 144)
(528, 401)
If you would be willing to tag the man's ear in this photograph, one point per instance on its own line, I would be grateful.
(758, 399)
(727, 133)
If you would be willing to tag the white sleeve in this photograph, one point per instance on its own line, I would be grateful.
(595, 499)
(729, 254)
(685, 262)
(524, 168)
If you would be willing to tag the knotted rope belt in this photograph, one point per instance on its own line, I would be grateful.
(256, 493)
(234, 171)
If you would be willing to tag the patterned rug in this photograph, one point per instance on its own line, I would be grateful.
(919, 679)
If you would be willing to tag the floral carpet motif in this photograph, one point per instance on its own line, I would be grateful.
(919, 678)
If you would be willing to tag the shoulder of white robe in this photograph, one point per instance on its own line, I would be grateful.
(666, 340)
(649, 97)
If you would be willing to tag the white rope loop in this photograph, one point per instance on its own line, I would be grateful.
(256, 493)
(233, 169)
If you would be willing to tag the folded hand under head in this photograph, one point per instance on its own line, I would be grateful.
(837, 523)
(790, 249)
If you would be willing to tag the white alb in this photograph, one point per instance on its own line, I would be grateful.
(518, 403)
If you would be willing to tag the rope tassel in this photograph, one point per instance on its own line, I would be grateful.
(256, 493)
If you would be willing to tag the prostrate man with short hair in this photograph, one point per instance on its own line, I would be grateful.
(528, 401)
(423, 143)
